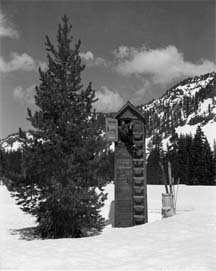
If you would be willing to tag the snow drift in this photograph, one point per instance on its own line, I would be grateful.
(186, 241)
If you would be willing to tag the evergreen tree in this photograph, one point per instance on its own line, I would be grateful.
(61, 156)
(1, 159)
(186, 105)
(185, 158)
(2, 162)
(203, 163)
(10, 166)
(214, 158)
(157, 141)
(154, 173)
(149, 147)
(172, 155)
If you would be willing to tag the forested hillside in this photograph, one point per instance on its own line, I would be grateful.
(192, 101)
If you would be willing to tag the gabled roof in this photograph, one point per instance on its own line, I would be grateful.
(129, 106)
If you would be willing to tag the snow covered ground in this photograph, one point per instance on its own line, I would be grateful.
(186, 241)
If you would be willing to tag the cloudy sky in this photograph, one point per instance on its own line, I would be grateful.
(133, 50)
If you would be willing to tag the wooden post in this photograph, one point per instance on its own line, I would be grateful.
(164, 177)
(170, 177)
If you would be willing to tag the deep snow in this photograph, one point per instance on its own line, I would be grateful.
(186, 241)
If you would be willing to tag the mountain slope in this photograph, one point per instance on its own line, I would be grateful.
(190, 103)
(11, 143)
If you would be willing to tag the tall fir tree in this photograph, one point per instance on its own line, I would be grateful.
(10, 167)
(154, 172)
(185, 158)
(202, 160)
(2, 161)
(179, 154)
(61, 175)
(172, 155)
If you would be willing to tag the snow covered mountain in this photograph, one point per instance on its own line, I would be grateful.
(186, 105)
(11, 143)
(183, 107)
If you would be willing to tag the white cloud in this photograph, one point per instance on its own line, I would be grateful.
(92, 61)
(6, 30)
(88, 56)
(22, 62)
(161, 65)
(122, 51)
(146, 92)
(17, 62)
(109, 101)
(24, 95)
(99, 61)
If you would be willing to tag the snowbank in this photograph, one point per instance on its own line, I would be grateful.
(186, 241)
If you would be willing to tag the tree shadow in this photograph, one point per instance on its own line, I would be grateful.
(27, 234)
